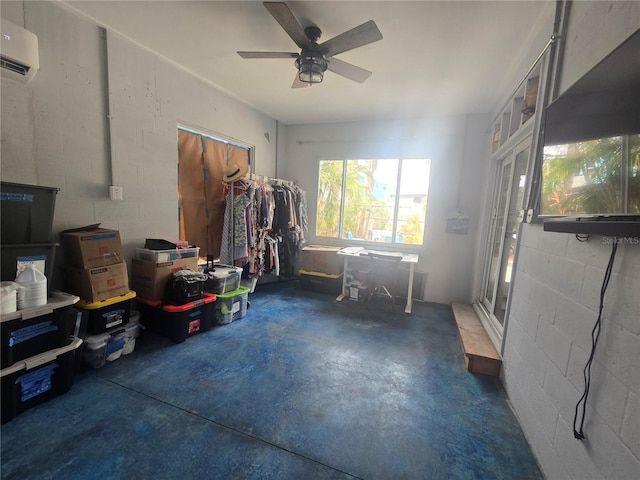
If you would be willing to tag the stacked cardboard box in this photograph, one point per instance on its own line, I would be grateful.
(321, 269)
(151, 270)
(317, 258)
(96, 270)
(149, 278)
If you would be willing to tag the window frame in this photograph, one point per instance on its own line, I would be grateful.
(341, 236)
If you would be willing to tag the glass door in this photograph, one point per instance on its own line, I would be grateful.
(507, 203)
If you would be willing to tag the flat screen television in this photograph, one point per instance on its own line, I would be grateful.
(590, 172)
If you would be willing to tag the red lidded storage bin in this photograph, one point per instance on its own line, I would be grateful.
(177, 322)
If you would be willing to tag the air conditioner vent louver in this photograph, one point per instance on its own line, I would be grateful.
(18, 52)
(13, 66)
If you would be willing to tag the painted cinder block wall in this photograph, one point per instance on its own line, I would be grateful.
(55, 131)
(554, 307)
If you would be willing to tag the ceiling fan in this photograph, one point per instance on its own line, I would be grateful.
(315, 59)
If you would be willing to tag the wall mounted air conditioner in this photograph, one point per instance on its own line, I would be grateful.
(18, 52)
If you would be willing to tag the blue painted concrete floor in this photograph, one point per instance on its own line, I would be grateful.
(302, 387)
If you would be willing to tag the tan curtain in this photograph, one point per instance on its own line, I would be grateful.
(200, 188)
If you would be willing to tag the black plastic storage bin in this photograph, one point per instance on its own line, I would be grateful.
(107, 314)
(11, 253)
(35, 330)
(27, 213)
(177, 322)
(37, 379)
(321, 282)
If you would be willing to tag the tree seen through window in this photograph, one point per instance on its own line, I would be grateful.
(379, 200)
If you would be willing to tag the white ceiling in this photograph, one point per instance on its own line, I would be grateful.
(448, 57)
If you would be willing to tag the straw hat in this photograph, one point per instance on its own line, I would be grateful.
(233, 172)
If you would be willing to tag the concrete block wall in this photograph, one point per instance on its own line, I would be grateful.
(554, 305)
(55, 130)
(555, 302)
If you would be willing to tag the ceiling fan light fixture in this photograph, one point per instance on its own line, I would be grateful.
(311, 68)
(315, 59)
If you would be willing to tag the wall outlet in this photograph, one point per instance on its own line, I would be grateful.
(116, 193)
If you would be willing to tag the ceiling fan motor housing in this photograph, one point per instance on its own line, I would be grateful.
(313, 33)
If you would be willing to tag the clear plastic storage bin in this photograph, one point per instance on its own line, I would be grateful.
(166, 255)
(232, 305)
(109, 346)
(223, 279)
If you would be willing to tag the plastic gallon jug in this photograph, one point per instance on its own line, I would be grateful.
(33, 288)
(8, 297)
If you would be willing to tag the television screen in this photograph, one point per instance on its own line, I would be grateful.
(592, 177)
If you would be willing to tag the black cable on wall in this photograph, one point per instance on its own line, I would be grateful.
(595, 334)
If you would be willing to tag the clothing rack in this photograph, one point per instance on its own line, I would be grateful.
(271, 248)
(275, 181)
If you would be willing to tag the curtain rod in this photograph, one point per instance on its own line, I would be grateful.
(551, 40)
(219, 139)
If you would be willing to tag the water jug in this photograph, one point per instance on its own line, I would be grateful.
(33, 288)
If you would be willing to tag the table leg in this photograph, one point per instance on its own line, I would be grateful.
(340, 297)
(409, 305)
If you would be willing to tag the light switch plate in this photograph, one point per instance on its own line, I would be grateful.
(116, 193)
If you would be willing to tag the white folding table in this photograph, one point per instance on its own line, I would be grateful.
(350, 253)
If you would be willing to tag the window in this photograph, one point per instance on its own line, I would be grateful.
(599, 176)
(378, 200)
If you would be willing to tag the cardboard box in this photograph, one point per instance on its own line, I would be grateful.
(98, 284)
(316, 258)
(149, 279)
(91, 246)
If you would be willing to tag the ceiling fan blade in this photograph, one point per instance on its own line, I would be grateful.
(356, 37)
(348, 70)
(280, 11)
(298, 84)
(268, 55)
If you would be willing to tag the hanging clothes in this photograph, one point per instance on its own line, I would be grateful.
(265, 226)
(235, 240)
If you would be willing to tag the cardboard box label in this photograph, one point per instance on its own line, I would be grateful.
(38, 261)
(101, 236)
